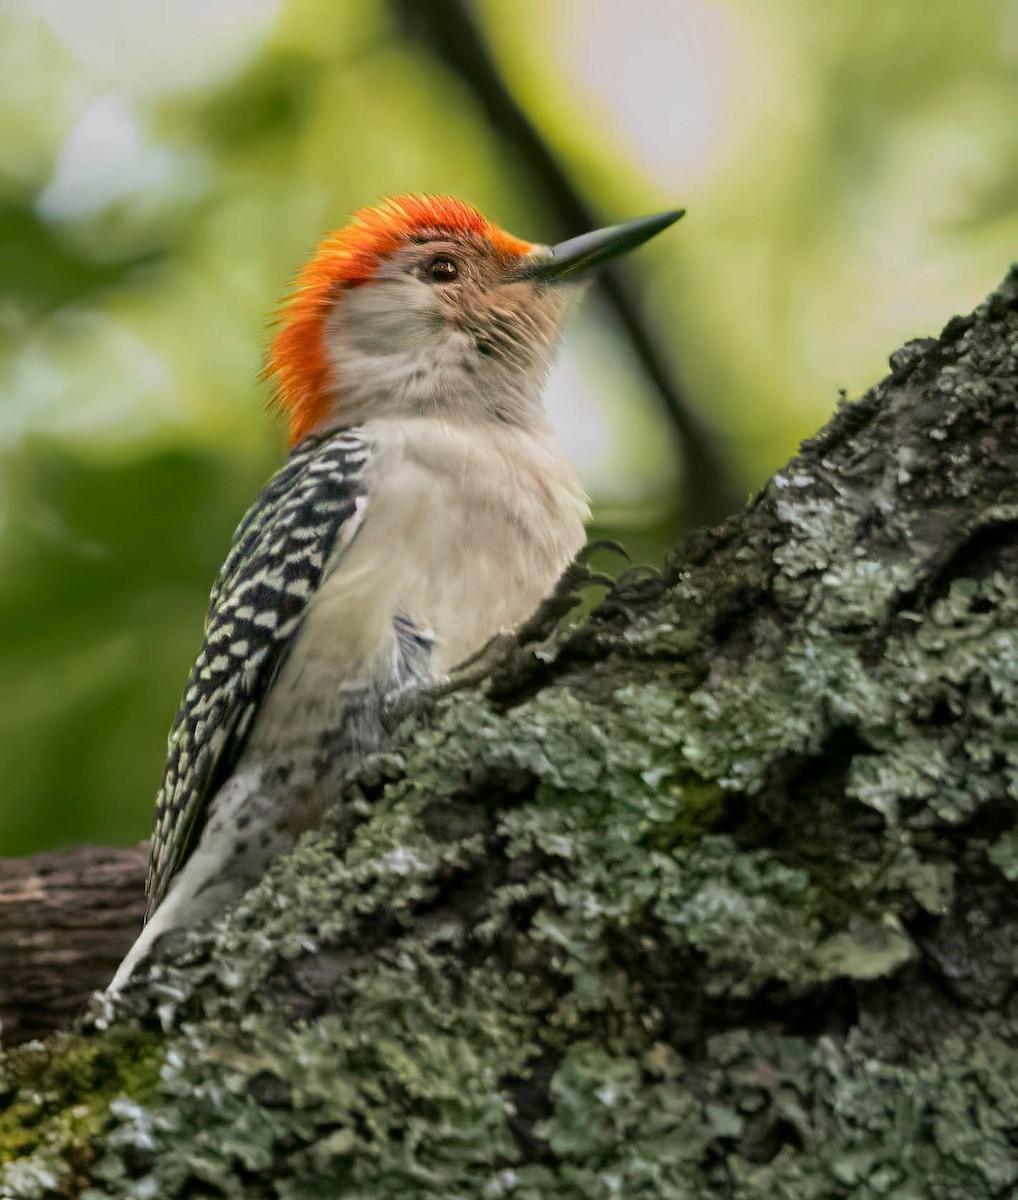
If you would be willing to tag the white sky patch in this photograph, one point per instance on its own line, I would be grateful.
(82, 375)
(106, 158)
(677, 80)
(147, 47)
(604, 417)
(575, 414)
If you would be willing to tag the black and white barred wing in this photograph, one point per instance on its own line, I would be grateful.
(303, 518)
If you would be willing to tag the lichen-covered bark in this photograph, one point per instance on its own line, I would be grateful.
(712, 896)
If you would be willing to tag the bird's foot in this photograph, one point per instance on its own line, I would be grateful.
(544, 621)
(496, 652)
(501, 653)
(399, 703)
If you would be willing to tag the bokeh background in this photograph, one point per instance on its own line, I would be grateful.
(850, 171)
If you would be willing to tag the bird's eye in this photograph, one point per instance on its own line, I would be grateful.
(442, 269)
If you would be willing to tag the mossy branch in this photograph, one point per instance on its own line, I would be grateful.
(711, 896)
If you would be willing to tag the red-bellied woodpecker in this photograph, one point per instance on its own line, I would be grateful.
(424, 508)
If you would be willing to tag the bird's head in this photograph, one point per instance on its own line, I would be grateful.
(421, 305)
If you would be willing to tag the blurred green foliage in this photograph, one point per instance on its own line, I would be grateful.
(102, 615)
(850, 171)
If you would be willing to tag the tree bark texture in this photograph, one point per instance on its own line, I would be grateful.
(67, 918)
(709, 896)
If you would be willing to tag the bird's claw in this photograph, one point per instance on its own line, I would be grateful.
(501, 651)
(496, 652)
(563, 598)
(399, 703)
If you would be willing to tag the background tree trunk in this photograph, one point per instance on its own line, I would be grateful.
(709, 896)
(67, 918)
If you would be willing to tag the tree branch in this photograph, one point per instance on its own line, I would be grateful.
(67, 917)
(452, 35)
(712, 895)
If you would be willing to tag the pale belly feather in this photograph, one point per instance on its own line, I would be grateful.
(462, 535)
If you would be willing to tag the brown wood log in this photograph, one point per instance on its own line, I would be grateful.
(66, 919)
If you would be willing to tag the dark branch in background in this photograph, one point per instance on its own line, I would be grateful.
(67, 918)
(449, 31)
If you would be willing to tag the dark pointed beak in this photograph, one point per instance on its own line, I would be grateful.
(571, 260)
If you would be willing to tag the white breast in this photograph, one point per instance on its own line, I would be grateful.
(464, 530)
(467, 527)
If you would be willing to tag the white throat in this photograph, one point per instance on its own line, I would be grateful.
(393, 351)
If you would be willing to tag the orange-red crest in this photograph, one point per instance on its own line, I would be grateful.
(347, 257)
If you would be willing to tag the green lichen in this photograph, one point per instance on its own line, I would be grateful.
(53, 1101)
(1004, 854)
(688, 906)
(400, 1089)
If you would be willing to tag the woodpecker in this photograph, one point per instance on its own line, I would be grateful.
(423, 509)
